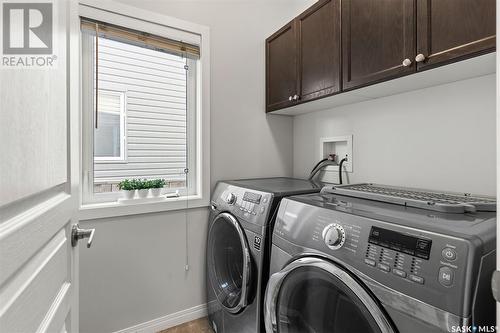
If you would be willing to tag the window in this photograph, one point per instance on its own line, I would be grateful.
(109, 135)
(139, 111)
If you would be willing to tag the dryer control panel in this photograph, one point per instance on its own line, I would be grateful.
(249, 205)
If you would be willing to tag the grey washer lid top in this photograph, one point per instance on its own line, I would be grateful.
(279, 186)
(479, 225)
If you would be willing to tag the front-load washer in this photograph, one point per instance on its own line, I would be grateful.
(238, 246)
(344, 264)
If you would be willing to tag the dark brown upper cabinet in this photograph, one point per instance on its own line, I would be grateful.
(303, 58)
(450, 30)
(318, 30)
(342, 45)
(378, 40)
(281, 67)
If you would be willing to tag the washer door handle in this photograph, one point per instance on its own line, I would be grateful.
(495, 285)
(276, 281)
(272, 291)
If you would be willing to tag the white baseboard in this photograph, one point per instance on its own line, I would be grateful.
(168, 321)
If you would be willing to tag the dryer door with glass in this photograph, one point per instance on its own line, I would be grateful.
(315, 295)
(228, 262)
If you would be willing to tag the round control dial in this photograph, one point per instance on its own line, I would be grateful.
(231, 198)
(334, 236)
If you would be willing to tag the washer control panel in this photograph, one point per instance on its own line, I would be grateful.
(406, 256)
(422, 264)
(334, 236)
(397, 263)
(401, 254)
(414, 246)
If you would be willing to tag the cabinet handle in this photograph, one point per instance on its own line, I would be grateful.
(295, 97)
(406, 62)
(290, 98)
(420, 57)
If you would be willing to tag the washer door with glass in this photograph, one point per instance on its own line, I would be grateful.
(314, 295)
(228, 262)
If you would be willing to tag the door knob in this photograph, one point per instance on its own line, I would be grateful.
(406, 62)
(420, 57)
(78, 233)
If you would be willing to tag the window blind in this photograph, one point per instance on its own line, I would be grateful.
(139, 38)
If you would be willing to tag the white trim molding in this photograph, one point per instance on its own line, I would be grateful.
(168, 321)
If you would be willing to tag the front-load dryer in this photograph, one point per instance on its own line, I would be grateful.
(238, 246)
(344, 264)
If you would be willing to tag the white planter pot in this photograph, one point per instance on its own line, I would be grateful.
(156, 192)
(143, 193)
(128, 194)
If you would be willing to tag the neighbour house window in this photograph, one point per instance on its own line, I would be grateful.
(109, 135)
(139, 110)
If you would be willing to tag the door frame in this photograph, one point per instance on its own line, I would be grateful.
(74, 167)
(276, 281)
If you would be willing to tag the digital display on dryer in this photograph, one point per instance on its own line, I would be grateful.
(252, 197)
(418, 247)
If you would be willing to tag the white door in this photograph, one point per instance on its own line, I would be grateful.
(38, 199)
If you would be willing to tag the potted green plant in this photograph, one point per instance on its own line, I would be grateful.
(156, 186)
(128, 188)
(143, 188)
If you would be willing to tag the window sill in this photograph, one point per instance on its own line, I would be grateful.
(115, 209)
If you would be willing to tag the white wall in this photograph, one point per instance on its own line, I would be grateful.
(244, 142)
(440, 138)
(134, 271)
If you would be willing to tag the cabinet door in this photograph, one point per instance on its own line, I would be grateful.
(450, 30)
(281, 68)
(377, 37)
(319, 50)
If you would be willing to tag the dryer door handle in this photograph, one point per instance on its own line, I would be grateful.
(247, 263)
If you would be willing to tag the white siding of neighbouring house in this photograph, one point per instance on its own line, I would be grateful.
(154, 84)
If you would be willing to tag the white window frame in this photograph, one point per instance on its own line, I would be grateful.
(123, 130)
(199, 168)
